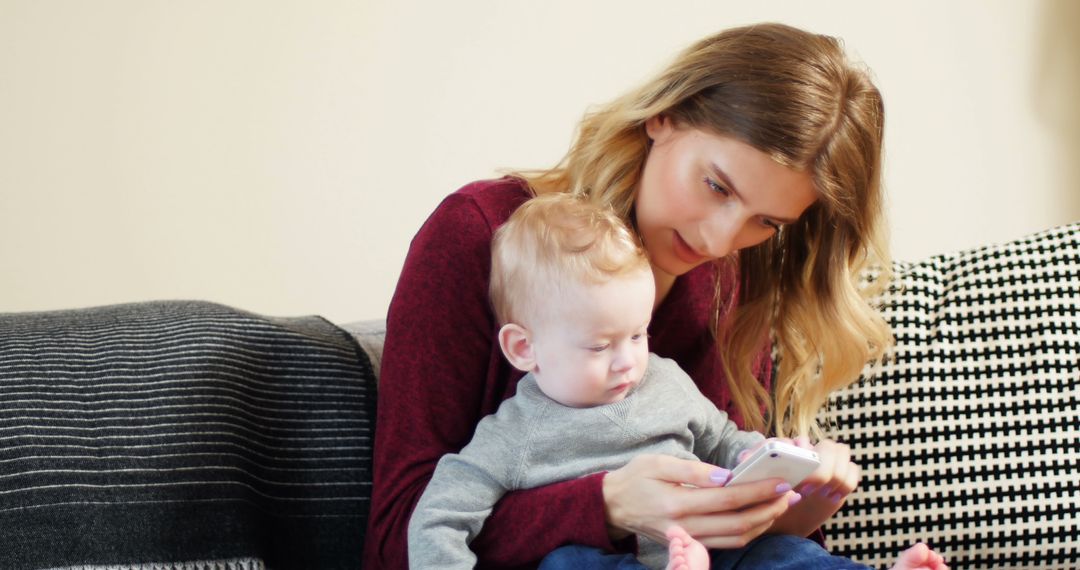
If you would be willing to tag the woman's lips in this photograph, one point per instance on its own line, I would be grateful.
(686, 253)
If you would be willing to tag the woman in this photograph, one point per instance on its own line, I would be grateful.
(750, 168)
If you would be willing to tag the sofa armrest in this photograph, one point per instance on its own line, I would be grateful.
(370, 335)
(182, 435)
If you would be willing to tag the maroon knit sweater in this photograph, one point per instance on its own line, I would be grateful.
(442, 371)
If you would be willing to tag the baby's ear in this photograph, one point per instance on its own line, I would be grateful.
(516, 345)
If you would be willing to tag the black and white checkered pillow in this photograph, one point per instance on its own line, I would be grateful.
(969, 438)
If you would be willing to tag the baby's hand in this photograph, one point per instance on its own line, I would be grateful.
(823, 492)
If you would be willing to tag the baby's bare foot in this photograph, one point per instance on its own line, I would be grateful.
(920, 557)
(685, 553)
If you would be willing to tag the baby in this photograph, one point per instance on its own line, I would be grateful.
(574, 292)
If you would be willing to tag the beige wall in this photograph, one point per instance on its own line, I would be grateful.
(278, 156)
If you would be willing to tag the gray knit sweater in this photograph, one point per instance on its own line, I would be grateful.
(533, 441)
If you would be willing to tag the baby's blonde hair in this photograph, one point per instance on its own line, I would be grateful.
(553, 241)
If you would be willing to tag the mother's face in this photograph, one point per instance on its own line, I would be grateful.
(703, 196)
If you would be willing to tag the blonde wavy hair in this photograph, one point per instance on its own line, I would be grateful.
(796, 97)
(557, 240)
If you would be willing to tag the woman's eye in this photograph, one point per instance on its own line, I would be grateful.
(716, 187)
(771, 224)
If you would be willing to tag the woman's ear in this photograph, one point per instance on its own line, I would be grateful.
(516, 345)
(659, 127)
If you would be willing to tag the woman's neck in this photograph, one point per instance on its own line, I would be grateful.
(664, 283)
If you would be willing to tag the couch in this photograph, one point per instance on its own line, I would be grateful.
(191, 435)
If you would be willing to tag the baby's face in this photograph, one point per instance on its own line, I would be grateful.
(591, 346)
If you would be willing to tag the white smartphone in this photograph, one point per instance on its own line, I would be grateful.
(776, 459)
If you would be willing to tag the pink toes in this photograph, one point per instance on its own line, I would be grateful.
(920, 557)
(684, 552)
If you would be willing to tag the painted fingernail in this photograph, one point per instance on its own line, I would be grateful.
(782, 488)
(808, 489)
(835, 497)
(794, 499)
(720, 476)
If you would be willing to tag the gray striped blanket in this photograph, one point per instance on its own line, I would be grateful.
(177, 434)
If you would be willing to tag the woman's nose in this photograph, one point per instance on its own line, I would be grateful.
(720, 234)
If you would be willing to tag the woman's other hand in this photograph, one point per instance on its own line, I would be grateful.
(823, 492)
(653, 492)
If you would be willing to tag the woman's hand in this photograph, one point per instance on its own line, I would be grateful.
(652, 492)
(823, 492)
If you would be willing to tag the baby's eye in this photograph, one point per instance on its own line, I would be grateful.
(599, 347)
(716, 187)
(637, 337)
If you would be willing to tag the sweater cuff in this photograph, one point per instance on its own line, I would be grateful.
(598, 515)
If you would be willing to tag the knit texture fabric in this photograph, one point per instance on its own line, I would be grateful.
(968, 436)
(233, 564)
(153, 434)
(533, 441)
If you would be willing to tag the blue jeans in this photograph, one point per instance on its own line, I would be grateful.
(774, 552)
